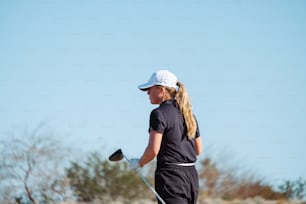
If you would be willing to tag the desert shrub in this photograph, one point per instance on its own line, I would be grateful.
(98, 179)
(249, 189)
(231, 183)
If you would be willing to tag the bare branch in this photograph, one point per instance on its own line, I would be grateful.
(31, 163)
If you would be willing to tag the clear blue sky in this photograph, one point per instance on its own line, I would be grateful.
(77, 65)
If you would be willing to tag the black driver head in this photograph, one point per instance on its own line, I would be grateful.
(116, 156)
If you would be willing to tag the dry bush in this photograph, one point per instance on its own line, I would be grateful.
(231, 183)
(247, 189)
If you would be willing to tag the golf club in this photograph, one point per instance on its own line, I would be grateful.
(118, 155)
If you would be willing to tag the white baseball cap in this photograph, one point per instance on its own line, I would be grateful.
(162, 78)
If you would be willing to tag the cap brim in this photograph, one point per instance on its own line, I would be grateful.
(145, 87)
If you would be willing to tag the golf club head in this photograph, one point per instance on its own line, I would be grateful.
(116, 156)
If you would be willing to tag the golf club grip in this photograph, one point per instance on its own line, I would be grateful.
(147, 183)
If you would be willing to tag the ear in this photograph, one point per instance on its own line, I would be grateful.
(163, 91)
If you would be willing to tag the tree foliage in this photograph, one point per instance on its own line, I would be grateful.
(294, 189)
(102, 180)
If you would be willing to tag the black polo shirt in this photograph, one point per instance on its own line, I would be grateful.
(175, 145)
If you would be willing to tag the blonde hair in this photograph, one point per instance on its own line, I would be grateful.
(183, 101)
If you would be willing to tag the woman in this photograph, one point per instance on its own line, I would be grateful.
(174, 140)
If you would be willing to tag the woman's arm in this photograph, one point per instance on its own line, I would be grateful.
(152, 148)
(198, 145)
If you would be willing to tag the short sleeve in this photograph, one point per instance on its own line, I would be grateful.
(157, 121)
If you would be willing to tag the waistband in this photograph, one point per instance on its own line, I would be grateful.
(182, 164)
(160, 165)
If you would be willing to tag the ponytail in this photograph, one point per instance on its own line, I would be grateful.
(183, 101)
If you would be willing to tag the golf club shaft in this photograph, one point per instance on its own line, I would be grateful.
(147, 183)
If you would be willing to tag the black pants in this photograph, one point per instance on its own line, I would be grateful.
(177, 184)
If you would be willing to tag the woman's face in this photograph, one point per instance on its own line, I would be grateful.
(156, 94)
